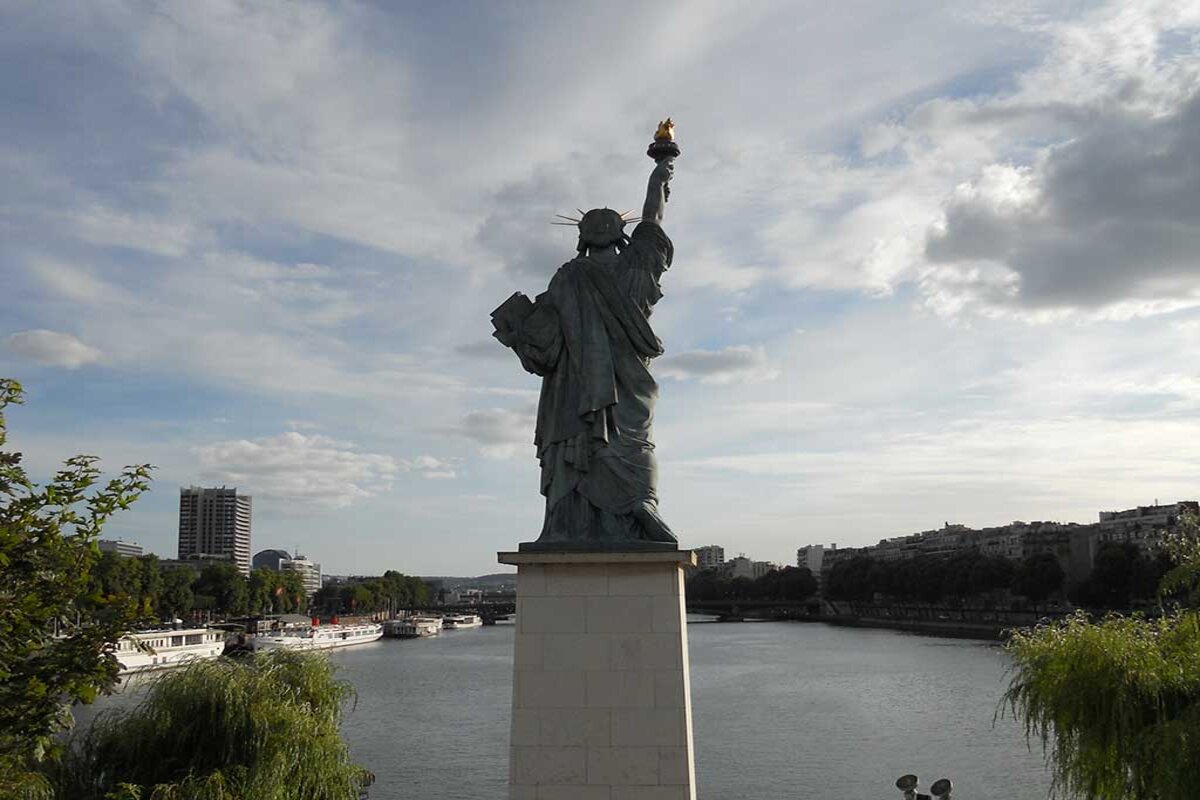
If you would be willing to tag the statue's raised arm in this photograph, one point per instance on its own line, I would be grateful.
(658, 190)
(664, 151)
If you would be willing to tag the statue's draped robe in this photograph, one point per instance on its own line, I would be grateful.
(590, 339)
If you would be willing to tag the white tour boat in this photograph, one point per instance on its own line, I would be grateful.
(146, 650)
(413, 627)
(324, 637)
(458, 621)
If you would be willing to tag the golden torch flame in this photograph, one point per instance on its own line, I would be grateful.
(666, 131)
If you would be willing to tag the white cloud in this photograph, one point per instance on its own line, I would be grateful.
(53, 348)
(434, 468)
(310, 470)
(737, 363)
(105, 226)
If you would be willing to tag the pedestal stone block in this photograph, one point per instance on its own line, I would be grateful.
(601, 691)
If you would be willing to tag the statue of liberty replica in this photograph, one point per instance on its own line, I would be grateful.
(588, 337)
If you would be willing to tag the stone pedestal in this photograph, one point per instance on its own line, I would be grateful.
(601, 694)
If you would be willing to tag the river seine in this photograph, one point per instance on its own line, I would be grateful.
(779, 710)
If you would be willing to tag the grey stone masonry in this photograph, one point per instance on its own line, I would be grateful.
(601, 693)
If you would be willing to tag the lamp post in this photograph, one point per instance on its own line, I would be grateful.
(940, 789)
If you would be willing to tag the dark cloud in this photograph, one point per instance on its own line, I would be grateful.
(737, 363)
(489, 349)
(1112, 215)
(499, 426)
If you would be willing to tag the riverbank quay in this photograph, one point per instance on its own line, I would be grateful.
(988, 624)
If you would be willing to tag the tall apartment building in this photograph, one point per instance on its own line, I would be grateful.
(120, 547)
(742, 567)
(812, 557)
(310, 572)
(710, 556)
(215, 524)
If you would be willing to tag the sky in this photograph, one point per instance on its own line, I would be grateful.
(935, 262)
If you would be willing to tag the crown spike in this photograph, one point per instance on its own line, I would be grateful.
(569, 219)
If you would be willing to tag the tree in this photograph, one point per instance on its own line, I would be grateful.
(1037, 577)
(291, 599)
(1117, 702)
(226, 586)
(57, 633)
(790, 583)
(851, 579)
(260, 591)
(259, 728)
(176, 598)
(152, 583)
(1121, 577)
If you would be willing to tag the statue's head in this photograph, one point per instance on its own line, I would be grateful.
(601, 227)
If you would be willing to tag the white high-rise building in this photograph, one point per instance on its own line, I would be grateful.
(811, 556)
(310, 572)
(710, 556)
(215, 524)
(120, 547)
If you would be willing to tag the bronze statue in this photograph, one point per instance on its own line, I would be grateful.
(589, 338)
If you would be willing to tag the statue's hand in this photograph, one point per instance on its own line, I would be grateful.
(664, 171)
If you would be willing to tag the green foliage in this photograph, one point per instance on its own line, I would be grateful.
(924, 578)
(790, 583)
(1037, 577)
(226, 587)
(176, 598)
(1117, 704)
(274, 592)
(1122, 578)
(261, 728)
(1182, 546)
(56, 630)
(390, 592)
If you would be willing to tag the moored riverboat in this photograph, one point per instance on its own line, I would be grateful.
(141, 651)
(324, 637)
(413, 627)
(459, 621)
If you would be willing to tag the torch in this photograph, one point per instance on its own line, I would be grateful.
(664, 147)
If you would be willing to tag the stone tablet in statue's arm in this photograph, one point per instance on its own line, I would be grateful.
(531, 329)
(507, 318)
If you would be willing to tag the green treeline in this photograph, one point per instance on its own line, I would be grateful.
(923, 578)
(176, 591)
(391, 591)
(793, 584)
(1121, 578)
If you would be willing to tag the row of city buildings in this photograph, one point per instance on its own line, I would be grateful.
(712, 556)
(214, 527)
(1074, 544)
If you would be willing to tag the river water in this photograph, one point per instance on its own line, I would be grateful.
(780, 710)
